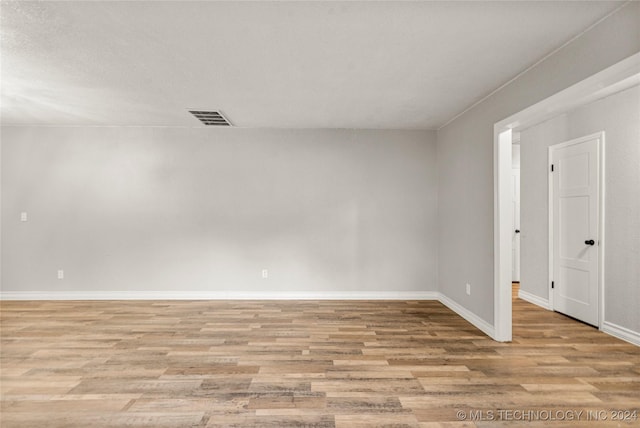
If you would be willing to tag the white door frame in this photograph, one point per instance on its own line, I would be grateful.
(624, 74)
(601, 231)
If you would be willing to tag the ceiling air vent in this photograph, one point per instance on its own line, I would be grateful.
(210, 118)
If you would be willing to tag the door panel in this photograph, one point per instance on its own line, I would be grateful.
(575, 202)
(573, 280)
(573, 171)
(573, 232)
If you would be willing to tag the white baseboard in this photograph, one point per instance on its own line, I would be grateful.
(478, 322)
(481, 324)
(607, 327)
(536, 300)
(217, 295)
(620, 332)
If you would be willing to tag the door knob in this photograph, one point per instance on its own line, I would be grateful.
(517, 230)
(590, 242)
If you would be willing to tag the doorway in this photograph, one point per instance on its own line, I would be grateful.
(608, 81)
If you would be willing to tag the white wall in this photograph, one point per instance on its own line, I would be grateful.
(465, 146)
(534, 204)
(138, 210)
(619, 116)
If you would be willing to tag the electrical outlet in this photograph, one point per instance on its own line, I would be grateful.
(265, 273)
(60, 274)
(23, 216)
(468, 289)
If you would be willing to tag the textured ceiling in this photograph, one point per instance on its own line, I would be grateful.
(401, 65)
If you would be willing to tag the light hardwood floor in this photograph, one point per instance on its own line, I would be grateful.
(303, 363)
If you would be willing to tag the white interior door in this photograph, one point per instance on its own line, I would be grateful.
(515, 208)
(575, 220)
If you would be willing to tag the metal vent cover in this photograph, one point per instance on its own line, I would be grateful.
(210, 118)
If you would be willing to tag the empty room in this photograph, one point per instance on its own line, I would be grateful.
(319, 213)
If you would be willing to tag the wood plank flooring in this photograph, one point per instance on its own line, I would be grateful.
(304, 364)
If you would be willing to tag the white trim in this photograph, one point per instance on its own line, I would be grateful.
(216, 295)
(600, 137)
(536, 300)
(597, 86)
(608, 327)
(478, 322)
(594, 136)
(503, 230)
(601, 229)
(550, 227)
(590, 89)
(620, 332)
